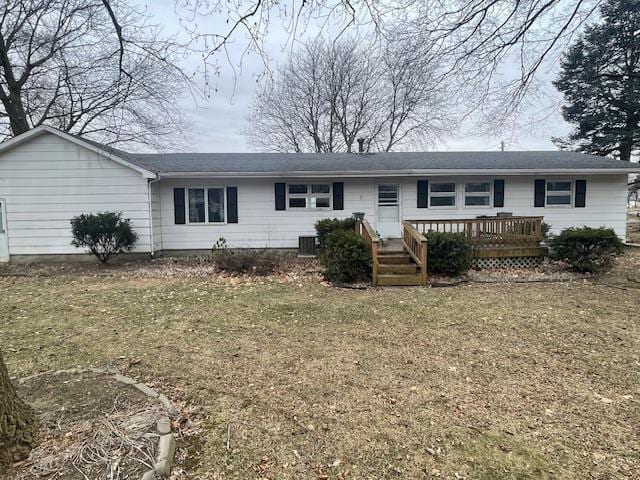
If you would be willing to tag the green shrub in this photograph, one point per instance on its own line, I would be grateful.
(329, 225)
(448, 253)
(246, 261)
(105, 235)
(545, 229)
(586, 249)
(346, 258)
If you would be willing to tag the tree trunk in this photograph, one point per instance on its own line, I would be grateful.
(17, 116)
(18, 425)
(626, 144)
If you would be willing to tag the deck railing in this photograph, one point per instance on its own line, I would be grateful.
(372, 239)
(489, 231)
(416, 244)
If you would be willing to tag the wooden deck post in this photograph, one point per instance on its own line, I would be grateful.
(423, 252)
(374, 263)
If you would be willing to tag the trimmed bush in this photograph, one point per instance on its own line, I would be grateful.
(329, 225)
(448, 253)
(258, 262)
(586, 249)
(105, 234)
(346, 257)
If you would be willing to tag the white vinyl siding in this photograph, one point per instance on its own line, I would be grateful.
(156, 216)
(259, 224)
(48, 180)
(606, 202)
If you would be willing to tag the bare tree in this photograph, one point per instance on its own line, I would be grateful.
(90, 68)
(492, 50)
(330, 94)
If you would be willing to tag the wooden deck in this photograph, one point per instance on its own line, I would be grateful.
(404, 261)
(492, 237)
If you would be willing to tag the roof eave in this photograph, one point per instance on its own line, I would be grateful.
(400, 173)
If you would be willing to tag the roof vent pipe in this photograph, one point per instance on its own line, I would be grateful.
(361, 145)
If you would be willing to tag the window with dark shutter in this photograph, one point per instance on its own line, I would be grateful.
(178, 206)
(498, 193)
(539, 188)
(281, 196)
(423, 193)
(232, 204)
(338, 196)
(581, 194)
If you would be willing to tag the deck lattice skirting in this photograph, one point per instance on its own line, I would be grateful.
(508, 262)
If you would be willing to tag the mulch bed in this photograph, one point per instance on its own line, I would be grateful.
(92, 426)
(292, 268)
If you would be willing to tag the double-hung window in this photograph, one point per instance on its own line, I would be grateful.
(442, 194)
(477, 194)
(311, 195)
(206, 205)
(559, 192)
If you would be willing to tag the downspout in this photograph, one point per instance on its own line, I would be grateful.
(151, 241)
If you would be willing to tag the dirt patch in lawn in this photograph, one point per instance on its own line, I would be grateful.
(92, 426)
(298, 380)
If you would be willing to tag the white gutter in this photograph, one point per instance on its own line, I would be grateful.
(152, 246)
(401, 173)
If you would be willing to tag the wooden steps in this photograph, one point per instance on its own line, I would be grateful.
(397, 268)
(391, 280)
(397, 259)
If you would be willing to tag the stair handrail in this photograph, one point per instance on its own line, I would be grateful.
(416, 244)
(372, 239)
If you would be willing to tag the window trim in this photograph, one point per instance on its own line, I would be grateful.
(488, 194)
(206, 205)
(454, 194)
(309, 195)
(571, 193)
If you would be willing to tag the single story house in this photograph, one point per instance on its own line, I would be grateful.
(186, 201)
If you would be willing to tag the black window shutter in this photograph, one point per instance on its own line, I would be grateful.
(338, 195)
(178, 206)
(232, 204)
(581, 193)
(539, 192)
(281, 196)
(423, 193)
(498, 193)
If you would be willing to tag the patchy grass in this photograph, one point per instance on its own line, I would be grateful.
(299, 380)
(633, 226)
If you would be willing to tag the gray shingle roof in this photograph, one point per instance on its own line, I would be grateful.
(390, 162)
(382, 162)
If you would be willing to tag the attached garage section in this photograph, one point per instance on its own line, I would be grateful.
(52, 177)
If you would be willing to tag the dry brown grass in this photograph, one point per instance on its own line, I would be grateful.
(306, 381)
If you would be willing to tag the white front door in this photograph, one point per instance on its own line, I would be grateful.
(389, 211)
(4, 246)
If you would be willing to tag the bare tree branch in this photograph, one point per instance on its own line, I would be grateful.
(90, 67)
(332, 93)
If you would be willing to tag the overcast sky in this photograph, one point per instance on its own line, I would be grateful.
(217, 123)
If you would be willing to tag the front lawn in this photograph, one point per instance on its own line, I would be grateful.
(295, 379)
